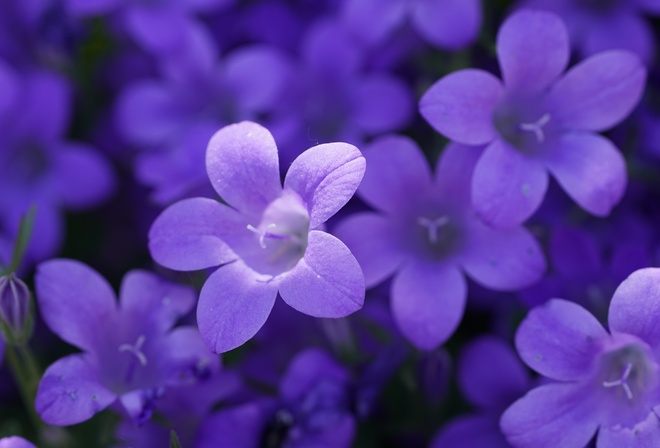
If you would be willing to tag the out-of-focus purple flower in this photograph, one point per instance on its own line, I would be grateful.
(539, 121)
(427, 235)
(15, 309)
(184, 407)
(334, 99)
(267, 238)
(130, 351)
(159, 26)
(605, 382)
(313, 410)
(584, 271)
(488, 388)
(38, 165)
(172, 119)
(596, 25)
(449, 24)
(15, 442)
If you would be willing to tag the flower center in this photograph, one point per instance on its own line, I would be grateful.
(437, 237)
(432, 226)
(537, 127)
(138, 355)
(523, 121)
(281, 236)
(622, 381)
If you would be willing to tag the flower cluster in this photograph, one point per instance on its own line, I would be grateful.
(329, 223)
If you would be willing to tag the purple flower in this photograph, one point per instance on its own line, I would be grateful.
(450, 24)
(15, 309)
(428, 235)
(539, 122)
(15, 442)
(267, 238)
(129, 349)
(313, 410)
(489, 389)
(605, 382)
(596, 25)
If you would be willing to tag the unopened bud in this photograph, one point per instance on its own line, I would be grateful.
(15, 310)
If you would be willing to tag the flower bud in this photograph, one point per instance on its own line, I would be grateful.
(15, 310)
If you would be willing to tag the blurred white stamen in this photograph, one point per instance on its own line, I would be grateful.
(432, 226)
(136, 350)
(623, 381)
(537, 127)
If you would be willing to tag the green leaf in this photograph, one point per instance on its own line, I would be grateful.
(174, 440)
(23, 239)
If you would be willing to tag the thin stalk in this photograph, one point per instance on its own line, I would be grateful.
(23, 381)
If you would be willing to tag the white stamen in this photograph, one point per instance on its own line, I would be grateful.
(432, 226)
(622, 381)
(537, 127)
(262, 233)
(136, 350)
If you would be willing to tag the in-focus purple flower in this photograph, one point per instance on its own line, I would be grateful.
(449, 24)
(313, 410)
(490, 390)
(428, 236)
(605, 382)
(130, 351)
(596, 25)
(15, 442)
(15, 309)
(539, 122)
(267, 238)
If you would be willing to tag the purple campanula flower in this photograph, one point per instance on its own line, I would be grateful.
(267, 239)
(130, 351)
(159, 26)
(491, 377)
(15, 442)
(172, 118)
(334, 99)
(185, 407)
(427, 235)
(313, 410)
(38, 165)
(539, 122)
(449, 24)
(599, 25)
(605, 382)
(15, 309)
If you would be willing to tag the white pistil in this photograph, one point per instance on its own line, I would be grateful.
(432, 226)
(623, 381)
(136, 350)
(262, 233)
(537, 127)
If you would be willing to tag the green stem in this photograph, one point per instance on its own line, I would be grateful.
(23, 381)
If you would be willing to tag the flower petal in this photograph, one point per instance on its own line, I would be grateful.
(186, 235)
(507, 186)
(239, 426)
(383, 103)
(643, 435)
(470, 431)
(70, 392)
(449, 24)
(427, 302)
(15, 442)
(241, 161)
(396, 169)
(590, 170)
(233, 305)
(551, 416)
(574, 253)
(454, 171)
(460, 106)
(158, 28)
(75, 301)
(307, 369)
(560, 340)
(327, 282)
(145, 296)
(487, 387)
(371, 21)
(503, 259)
(370, 238)
(533, 49)
(599, 92)
(623, 30)
(83, 177)
(326, 177)
(635, 307)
